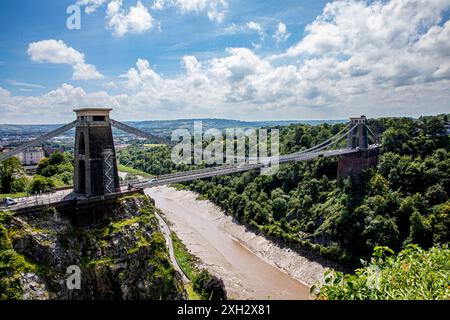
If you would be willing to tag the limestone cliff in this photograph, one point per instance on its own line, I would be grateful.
(123, 258)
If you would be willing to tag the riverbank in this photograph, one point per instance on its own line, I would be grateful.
(251, 266)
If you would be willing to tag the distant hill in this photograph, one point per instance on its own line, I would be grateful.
(162, 127)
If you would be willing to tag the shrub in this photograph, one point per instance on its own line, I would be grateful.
(411, 275)
(209, 287)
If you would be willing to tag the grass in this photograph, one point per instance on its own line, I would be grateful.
(13, 195)
(179, 186)
(154, 145)
(185, 260)
(201, 197)
(191, 293)
(130, 170)
(187, 263)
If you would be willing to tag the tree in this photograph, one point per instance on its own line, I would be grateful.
(57, 158)
(436, 194)
(381, 231)
(279, 206)
(378, 185)
(209, 286)
(215, 289)
(420, 231)
(435, 127)
(20, 184)
(10, 170)
(42, 184)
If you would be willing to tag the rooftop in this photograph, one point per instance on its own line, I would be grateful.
(93, 110)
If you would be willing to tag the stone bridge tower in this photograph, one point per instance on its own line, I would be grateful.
(353, 164)
(359, 136)
(95, 171)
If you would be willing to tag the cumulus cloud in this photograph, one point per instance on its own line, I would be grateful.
(59, 103)
(136, 20)
(57, 52)
(281, 34)
(355, 57)
(377, 58)
(215, 9)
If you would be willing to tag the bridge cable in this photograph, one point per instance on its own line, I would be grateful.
(38, 140)
(326, 142)
(140, 133)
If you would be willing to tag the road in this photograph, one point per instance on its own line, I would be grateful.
(166, 232)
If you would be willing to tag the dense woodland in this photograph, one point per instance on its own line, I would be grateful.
(400, 206)
(404, 200)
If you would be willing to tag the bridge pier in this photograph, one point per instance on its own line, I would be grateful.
(353, 164)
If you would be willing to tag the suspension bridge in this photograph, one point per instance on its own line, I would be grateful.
(96, 174)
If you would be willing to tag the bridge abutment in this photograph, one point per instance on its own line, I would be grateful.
(352, 165)
(83, 212)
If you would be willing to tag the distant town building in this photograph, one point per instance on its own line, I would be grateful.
(51, 150)
(121, 146)
(31, 156)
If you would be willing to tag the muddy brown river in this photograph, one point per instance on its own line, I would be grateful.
(250, 266)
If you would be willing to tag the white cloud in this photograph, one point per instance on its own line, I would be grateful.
(159, 5)
(281, 34)
(215, 9)
(136, 20)
(376, 58)
(30, 86)
(57, 52)
(91, 5)
(257, 27)
(356, 57)
(58, 103)
(110, 85)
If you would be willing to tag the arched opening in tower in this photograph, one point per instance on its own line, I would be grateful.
(82, 176)
(81, 144)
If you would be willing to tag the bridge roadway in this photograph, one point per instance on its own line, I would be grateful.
(54, 197)
(230, 169)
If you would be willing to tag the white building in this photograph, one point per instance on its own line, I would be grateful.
(31, 156)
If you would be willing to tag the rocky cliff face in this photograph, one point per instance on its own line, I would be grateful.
(123, 258)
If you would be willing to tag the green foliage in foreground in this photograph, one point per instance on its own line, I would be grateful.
(412, 274)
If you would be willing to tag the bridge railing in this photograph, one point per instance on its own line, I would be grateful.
(39, 199)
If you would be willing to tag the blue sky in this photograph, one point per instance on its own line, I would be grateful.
(180, 35)
(166, 59)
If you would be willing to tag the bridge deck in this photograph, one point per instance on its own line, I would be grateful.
(66, 195)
